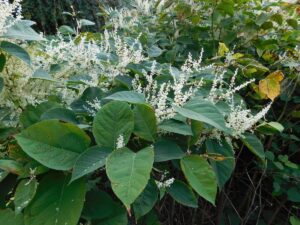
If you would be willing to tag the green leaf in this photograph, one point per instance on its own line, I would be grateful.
(128, 96)
(270, 128)
(129, 172)
(293, 194)
(85, 22)
(66, 30)
(8, 217)
(224, 163)
(22, 30)
(56, 202)
(32, 114)
(11, 166)
(152, 218)
(204, 111)
(176, 127)
(226, 6)
(16, 51)
(24, 194)
(54, 144)
(102, 210)
(89, 95)
(112, 120)
(42, 75)
(89, 161)
(145, 122)
(183, 194)
(200, 176)
(294, 220)
(166, 150)
(61, 114)
(293, 23)
(146, 201)
(254, 145)
(154, 51)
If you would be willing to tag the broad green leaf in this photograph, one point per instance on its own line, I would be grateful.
(197, 128)
(22, 30)
(204, 111)
(61, 114)
(254, 145)
(222, 159)
(3, 175)
(200, 176)
(152, 218)
(8, 217)
(270, 128)
(24, 193)
(129, 172)
(32, 114)
(226, 6)
(294, 220)
(183, 194)
(16, 51)
(128, 96)
(56, 201)
(154, 51)
(42, 75)
(293, 23)
(89, 161)
(146, 201)
(100, 208)
(145, 122)
(54, 144)
(66, 30)
(166, 150)
(293, 194)
(176, 127)
(113, 120)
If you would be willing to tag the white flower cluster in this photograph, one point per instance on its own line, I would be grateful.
(128, 54)
(158, 95)
(20, 90)
(165, 184)
(93, 106)
(241, 120)
(120, 142)
(10, 13)
(129, 17)
(77, 56)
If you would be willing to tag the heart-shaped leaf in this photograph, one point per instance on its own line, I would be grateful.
(201, 176)
(113, 120)
(129, 172)
(54, 144)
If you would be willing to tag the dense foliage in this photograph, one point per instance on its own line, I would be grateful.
(177, 112)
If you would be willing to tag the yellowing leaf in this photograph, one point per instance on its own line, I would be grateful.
(270, 86)
(222, 49)
(277, 75)
(256, 89)
(237, 55)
